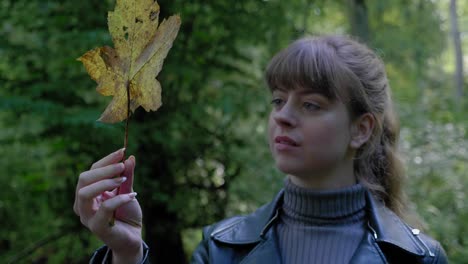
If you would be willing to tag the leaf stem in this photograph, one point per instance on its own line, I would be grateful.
(127, 86)
(128, 117)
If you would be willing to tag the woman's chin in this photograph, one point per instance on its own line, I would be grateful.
(287, 168)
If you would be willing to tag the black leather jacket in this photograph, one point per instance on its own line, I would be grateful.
(251, 239)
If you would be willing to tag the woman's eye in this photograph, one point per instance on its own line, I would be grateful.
(311, 106)
(276, 101)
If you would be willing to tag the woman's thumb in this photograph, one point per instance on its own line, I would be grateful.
(127, 186)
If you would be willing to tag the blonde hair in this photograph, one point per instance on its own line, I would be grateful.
(346, 70)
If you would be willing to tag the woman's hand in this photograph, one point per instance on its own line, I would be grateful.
(96, 199)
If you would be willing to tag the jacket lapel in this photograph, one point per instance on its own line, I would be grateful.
(266, 252)
(252, 228)
(387, 228)
(368, 252)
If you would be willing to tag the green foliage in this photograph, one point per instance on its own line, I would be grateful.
(436, 156)
(44, 112)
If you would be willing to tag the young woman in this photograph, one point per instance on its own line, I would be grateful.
(333, 132)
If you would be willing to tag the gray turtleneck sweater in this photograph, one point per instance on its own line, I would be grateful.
(321, 226)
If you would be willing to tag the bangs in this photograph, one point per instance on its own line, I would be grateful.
(308, 64)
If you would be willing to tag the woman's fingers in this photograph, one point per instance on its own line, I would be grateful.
(107, 195)
(102, 217)
(93, 190)
(96, 195)
(127, 186)
(92, 176)
(89, 177)
(109, 159)
(86, 195)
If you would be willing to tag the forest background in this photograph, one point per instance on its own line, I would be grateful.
(203, 156)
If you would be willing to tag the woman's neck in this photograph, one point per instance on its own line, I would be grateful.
(338, 177)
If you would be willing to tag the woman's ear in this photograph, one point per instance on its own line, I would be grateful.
(361, 130)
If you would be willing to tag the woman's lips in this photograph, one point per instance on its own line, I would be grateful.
(285, 143)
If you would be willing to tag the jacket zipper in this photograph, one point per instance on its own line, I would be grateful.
(373, 231)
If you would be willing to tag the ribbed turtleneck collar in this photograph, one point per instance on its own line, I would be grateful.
(304, 206)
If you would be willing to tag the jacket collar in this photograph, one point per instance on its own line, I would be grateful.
(251, 228)
(388, 228)
(385, 226)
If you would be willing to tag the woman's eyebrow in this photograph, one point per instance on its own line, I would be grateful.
(308, 92)
(314, 94)
(282, 90)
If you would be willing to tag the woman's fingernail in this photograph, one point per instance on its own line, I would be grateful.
(120, 179)
(132, 195)
(119, 151)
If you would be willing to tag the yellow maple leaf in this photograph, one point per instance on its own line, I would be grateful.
(129, 71)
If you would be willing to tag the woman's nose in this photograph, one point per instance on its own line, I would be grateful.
(285, 116)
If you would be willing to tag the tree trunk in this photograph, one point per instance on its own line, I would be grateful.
(162, 230)
(163, 236)
(359, 20)
(458, 52)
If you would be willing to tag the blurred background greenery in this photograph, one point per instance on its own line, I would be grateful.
(203, 156)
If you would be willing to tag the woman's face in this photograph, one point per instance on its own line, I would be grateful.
(309, 135)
